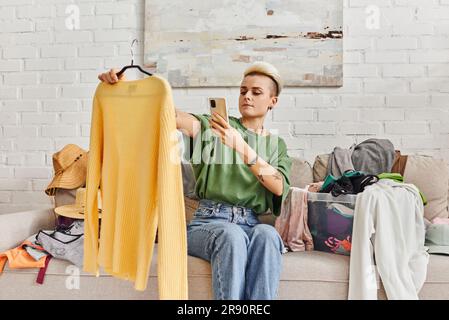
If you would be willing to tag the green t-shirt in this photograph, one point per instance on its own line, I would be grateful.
(221, 175)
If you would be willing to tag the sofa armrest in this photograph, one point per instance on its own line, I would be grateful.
(18, 226)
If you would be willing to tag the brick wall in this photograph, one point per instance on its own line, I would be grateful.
(396, 84)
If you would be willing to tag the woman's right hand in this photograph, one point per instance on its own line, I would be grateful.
(316, 186)
(110, 76)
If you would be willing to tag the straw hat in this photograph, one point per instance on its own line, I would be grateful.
(268, 70)
(76, 211)
(70, 165)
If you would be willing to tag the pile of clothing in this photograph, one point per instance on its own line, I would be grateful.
(330, 224)
(382, 230)
(66, 241)
(307, 224)
(36, 252)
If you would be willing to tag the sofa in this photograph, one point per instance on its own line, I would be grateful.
(305, 275)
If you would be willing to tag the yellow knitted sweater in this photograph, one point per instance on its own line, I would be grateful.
(134, 160)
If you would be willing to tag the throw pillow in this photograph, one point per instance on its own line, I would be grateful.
(301, 173)
(431, 176)
(320, 167)
(190, 207)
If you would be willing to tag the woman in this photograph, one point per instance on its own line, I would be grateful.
(245, 255)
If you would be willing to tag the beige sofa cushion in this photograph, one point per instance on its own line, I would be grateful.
(305, 275)
(320, 167)
(301, 173)
(431, 176)
(17, 226)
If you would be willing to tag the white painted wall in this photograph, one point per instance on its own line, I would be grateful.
(396, 84)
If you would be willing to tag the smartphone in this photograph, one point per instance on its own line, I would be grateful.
(219, 106)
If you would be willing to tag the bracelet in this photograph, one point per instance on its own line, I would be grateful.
(253, 162)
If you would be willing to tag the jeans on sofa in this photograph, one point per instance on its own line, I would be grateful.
(245, 254)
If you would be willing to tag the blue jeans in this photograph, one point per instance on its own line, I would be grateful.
(245, 255)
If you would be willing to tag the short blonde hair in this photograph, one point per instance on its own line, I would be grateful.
(267, 69)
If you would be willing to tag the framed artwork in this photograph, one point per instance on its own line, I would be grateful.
(210, 43)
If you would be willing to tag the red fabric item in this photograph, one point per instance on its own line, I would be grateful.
(43, 270)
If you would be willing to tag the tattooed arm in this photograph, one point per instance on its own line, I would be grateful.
(269, 176)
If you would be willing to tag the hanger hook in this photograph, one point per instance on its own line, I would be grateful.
(132, 51)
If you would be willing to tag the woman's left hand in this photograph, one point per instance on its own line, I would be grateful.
(227, 134)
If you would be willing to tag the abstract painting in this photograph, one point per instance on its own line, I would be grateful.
(210, 43)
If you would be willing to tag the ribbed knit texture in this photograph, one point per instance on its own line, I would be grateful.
(134, 160)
